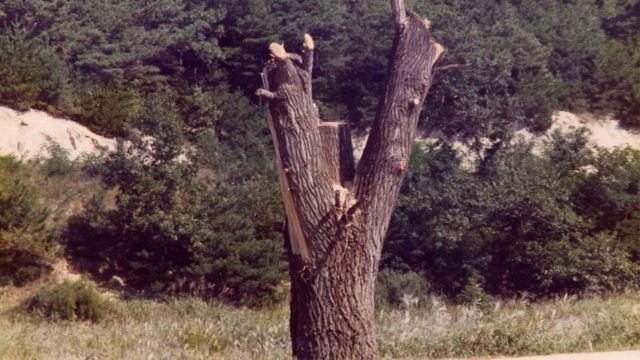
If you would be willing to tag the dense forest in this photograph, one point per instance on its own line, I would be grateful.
(176, 78)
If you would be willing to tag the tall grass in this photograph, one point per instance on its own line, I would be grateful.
(193, 329)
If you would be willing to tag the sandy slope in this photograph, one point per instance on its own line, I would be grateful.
(24, 134)
(604, 132)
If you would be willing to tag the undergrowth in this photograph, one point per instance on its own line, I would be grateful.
(194, 329)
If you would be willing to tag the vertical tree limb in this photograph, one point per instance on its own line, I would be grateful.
(399, 14)
(386, 155)
(295, 235)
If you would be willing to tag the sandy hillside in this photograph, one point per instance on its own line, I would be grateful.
(24, 134)
(604, 132)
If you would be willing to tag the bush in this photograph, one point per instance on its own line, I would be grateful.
(108, 109)
(174, 230)
(395, 288)
(72, 301)
(26, 246)
(57, 160)
(519, 223)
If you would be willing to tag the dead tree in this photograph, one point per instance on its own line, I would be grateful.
(337, 216)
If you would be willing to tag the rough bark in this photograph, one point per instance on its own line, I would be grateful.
(337, 218)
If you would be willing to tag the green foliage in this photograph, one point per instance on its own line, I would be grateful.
(619, 62)
(173, 228)
(72, 301)
(26, 248)
(395, 288)
(141, 42)
(524, 59)
(108, 109)
(203, 220)
(56, 161)
(518, 224)
(29, 71)
(610, 195)
(507, 81)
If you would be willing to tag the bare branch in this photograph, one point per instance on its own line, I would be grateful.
(266, 94)
(308, 47)
(450, 67)
(307, 50)
(399, 14)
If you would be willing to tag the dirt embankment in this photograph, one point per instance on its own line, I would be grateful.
(603, 132)
(25, 135)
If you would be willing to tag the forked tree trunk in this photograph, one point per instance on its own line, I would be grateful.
(337, 216)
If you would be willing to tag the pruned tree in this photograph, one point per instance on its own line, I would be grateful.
(337, 215)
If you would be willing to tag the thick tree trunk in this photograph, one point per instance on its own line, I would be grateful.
(337, 216)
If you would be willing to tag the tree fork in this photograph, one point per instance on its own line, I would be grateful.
(337, 216)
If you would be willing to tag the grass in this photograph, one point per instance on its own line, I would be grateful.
(194, 329)
(514, 328)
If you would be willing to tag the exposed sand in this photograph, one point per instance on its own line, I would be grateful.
(24, 135)
(604, 132)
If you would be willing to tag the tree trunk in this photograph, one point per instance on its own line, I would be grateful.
(337, 216)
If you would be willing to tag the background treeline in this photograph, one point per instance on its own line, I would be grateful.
(193, 205)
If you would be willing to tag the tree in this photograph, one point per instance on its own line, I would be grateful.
(337, 216)
(27, 248)
(176, 226)
(522, 224)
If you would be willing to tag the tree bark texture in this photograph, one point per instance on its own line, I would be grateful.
(337, 216)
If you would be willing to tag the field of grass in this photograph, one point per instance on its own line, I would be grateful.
(194, 329)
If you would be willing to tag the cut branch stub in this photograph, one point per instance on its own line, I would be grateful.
(307, 64)
(308, 42)
(399, 14)
(277, 51)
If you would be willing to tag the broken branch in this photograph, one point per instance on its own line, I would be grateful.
(307, 49)
(277, 51)
(399, 14)
(266, 94)
(450, 67)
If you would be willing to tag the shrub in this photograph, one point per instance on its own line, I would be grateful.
(173, 230)
(26, 245)
(57, 160)
(519, 223)
(69, 301)
(108, 109)
(395, 288)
